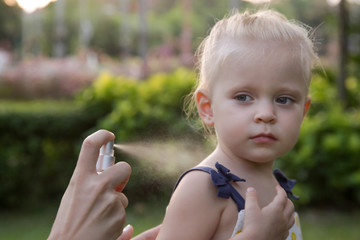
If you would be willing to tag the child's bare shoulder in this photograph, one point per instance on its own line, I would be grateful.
(194, 210)
(196, 182)
(197, 190)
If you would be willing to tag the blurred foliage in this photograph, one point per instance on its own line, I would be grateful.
(10, 33)
(139, 109)
(164, 21)
(143, 110)
(40, 141)
(325, 161)
(39, 144)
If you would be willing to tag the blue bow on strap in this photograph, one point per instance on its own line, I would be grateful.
(221, 179)
(286, 183)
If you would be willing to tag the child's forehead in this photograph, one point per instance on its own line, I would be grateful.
(247, 47)
(260, 54)
(235, 77)
(262, 60)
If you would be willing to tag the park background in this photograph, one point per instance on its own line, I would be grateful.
(68, 68)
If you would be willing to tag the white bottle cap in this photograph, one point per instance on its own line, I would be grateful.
(106, 157)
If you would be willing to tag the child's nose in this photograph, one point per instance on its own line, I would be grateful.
(265, 113)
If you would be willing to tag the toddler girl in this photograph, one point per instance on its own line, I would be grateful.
(254, 75)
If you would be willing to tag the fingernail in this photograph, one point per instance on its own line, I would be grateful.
(127, 228)
(250, 189)
(118, 189)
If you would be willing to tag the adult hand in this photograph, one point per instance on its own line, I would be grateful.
(270, 223)
(91, 208)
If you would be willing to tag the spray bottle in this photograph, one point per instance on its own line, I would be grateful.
(106, 157)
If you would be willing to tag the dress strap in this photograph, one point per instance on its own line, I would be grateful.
(221, 179)
(286, 183)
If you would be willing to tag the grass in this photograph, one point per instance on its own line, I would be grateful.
(36, 224)
(28, 224)
(144, 216)
(330, 225)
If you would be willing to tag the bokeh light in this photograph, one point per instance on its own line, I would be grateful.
(29, 6)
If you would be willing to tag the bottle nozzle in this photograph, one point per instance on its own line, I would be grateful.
(106, 157)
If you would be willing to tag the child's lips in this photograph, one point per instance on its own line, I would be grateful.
(264, 138)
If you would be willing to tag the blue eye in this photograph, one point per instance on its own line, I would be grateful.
(284, 100)
(243, 98)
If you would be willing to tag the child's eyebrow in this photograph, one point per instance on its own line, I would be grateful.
(291, 90)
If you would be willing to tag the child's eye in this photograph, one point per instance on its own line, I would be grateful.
(284, 100)
(243, 98)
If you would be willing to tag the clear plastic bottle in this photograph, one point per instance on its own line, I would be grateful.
(106, 157)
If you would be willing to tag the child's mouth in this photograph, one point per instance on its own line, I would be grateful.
(264, 138)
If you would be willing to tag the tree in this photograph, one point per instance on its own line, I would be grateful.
(10, 27)
(186, 34)
(143, 37)
(32, 26)
(343, 46)
(59, 49)
(86, 27)
(124, 28)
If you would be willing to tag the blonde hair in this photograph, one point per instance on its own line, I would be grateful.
(227, 35)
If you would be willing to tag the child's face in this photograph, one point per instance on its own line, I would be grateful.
(257, 106)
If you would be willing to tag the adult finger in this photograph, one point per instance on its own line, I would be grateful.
(123, 199)
(127, 233)
(150, 234)
(90, 148)
(117, 175)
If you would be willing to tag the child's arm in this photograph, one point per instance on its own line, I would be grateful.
(260, 224)
(270, 223)
(194, 209)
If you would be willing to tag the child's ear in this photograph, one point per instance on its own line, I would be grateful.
(203, 104)
(307, 105)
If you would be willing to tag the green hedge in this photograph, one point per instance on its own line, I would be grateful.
(142, 109)
(39, 144)
(325, 161)
(40, 141)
